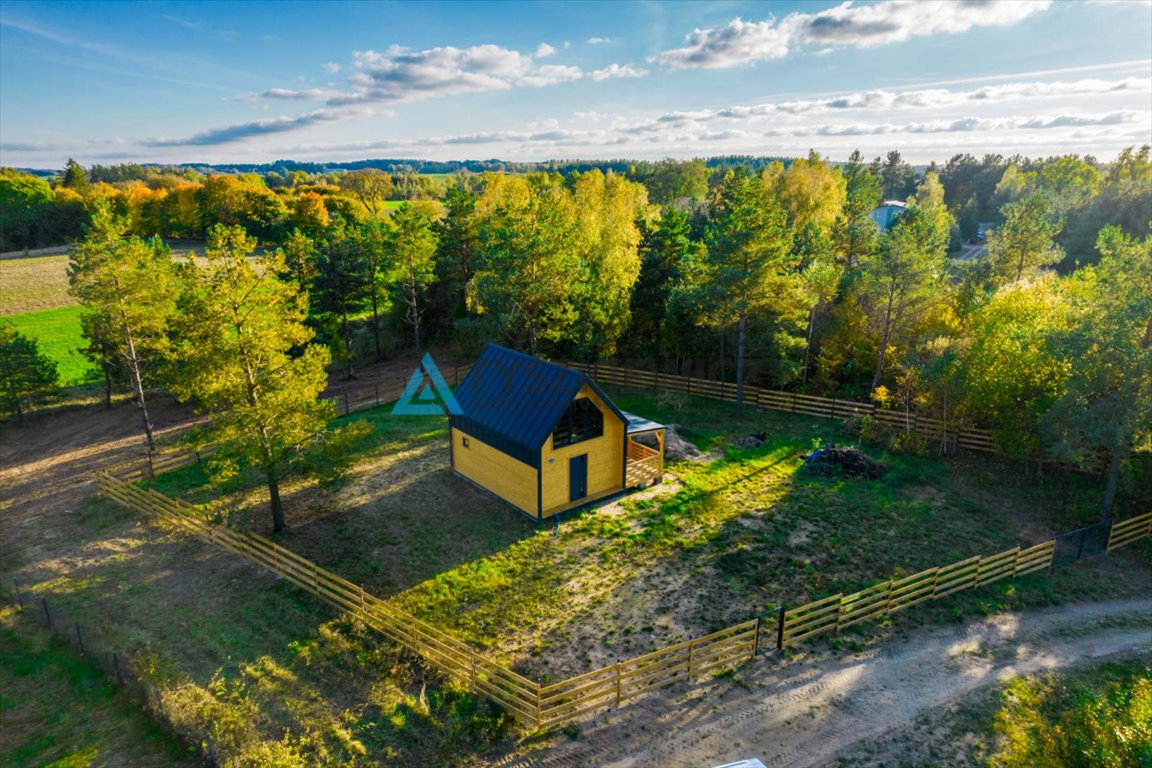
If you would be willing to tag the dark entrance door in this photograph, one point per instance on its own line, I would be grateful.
(578, 477)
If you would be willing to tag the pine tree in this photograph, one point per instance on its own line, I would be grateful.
(239, 328)
(26, 375)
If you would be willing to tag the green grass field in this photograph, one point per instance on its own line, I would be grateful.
(720, 542)
(57, 331)
(59, 710)
(269, 671)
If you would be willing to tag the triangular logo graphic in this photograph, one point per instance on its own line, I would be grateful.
(427, 386)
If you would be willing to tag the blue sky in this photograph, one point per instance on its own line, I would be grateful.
(252, 82)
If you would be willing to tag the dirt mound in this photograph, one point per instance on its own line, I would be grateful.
(677, 448)
(843, 461)
(751, 441)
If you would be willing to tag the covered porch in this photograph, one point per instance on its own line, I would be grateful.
(644, 452)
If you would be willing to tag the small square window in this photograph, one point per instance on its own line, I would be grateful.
(465, 442)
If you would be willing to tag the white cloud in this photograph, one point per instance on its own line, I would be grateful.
(599, 40)
(544, 50)
(233, 133)
(847, 25)
(330, 67)
(935, 98)
(740, 42)
(616, 70)
(401, 75)
(305, 94)
(551, 74)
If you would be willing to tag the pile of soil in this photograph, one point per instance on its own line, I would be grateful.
(751, 441)
(677, 448)
(843, 461)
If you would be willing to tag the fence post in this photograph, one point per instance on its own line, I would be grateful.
(689, 661)
(19, 597)
(116, 669)
(151, 466)
(47, 613)
(80, 640)
(756, 639)
(616, 666)
(376, 389)
(780, 629)
(347, 410)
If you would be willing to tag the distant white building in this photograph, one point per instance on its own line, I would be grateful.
(887, 213)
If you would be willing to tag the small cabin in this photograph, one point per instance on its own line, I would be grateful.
(545, 438)
(887, 213)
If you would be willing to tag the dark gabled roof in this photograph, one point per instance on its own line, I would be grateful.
(638, 424)
(519, 397)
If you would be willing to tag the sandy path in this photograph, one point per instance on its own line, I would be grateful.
(808, 713)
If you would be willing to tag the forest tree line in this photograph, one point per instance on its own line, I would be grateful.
(775, 271)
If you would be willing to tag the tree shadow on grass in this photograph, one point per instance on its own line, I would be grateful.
(246, 657)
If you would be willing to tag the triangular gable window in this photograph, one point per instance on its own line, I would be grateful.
(582, 421)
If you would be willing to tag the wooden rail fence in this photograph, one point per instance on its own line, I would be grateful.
(1129, 531)
(840, 611)
(543, 706)
(950, 435)
(349, 401)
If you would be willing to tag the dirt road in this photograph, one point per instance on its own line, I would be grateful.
(812, 712)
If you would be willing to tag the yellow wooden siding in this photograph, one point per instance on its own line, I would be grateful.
(605, 460)
(510, 479)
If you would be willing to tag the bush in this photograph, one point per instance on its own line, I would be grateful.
(1102, 722)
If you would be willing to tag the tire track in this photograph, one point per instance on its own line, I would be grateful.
(790, 718)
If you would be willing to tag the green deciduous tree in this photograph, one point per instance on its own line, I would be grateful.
(1012, 371)
(26, 375)
(1106, 408)
(526, 268)
(370, 186)
(25, 203)
(607, 240)
(1024, 242)
(128, 284)
(234, 356)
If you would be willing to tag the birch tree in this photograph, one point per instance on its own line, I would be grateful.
(129, 285)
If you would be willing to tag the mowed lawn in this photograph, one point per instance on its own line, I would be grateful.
(58, 334)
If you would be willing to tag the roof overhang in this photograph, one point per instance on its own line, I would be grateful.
(638, 424)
